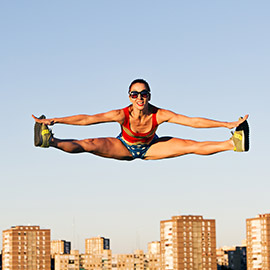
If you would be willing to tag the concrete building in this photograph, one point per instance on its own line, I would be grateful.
(188, 242)
(153, 255)
(91, 262)
(26, 247)
(67, 261)
(258, 242)
(222, 257)
(135, 261)
(60, 247)
(97, 254)
(96, 245)
(237, 258)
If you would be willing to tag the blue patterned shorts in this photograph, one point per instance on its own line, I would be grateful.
(137, 150)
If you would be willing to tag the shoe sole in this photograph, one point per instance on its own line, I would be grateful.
(245, 128)
(37, 131)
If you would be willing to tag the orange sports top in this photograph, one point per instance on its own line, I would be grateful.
(138, 138)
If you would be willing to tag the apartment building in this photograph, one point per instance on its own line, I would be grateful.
(97, 254)
(237, 258)
(188, 243)
(96, 245)
(153, 255)
(26, 247)
(222, 257)
(67, 261)
(91, 262)
(258, 242)
(60, 247)
(135, 261)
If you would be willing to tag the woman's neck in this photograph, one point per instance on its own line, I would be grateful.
(140, 113)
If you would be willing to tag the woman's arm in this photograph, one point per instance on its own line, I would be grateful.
(84, 119)
(196, 122)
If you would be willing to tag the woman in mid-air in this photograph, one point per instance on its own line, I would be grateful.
(139, 122)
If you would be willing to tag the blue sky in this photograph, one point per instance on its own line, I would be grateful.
(201, 58)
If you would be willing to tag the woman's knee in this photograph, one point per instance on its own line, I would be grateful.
(188, 146)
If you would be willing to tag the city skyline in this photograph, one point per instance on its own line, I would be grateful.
(208, 59)
(106, 240)
(186, 242)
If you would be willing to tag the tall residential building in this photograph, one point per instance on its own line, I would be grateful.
(222, 257)
(188, 243)
(258, 242)
(26, 247)
(96, 245)
(60, 247)
(153, 255)
(237, 258)
(97, 254)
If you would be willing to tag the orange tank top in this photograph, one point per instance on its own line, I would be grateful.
(138, 138)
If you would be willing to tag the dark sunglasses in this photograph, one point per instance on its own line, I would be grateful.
(135, 94)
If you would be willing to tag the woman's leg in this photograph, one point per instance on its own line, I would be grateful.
(104, 147)
(167, 147)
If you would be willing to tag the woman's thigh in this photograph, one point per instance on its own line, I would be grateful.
(107, 147)
(168, 147)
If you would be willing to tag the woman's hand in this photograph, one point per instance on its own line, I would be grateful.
(237, 123)
(45, 121)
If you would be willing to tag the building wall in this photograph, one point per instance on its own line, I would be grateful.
(96, 245)
(135, 261)
(60, 247)
(222, 256)
(67, 261)
(26, 247)
(258, 242)
(188, 242)
(153, 256)
(237, 258)
(166, 244)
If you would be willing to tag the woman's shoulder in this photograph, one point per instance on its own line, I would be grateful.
(163, 115)
(127, 108)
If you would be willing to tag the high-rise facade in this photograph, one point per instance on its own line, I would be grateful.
(258, 242)
(96, 245)
(237, 258)
(97, 254)
(153, 255)
(26, 247)
(69, 261)
(60, 247)
(135, 261)
(188, 243)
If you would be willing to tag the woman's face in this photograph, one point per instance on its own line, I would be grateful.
(141, 96)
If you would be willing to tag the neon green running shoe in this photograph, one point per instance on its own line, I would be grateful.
(241, 138)
(42, 134)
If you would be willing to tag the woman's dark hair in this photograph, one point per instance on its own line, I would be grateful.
(140, 81)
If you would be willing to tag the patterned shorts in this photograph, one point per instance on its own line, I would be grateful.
(137, 150)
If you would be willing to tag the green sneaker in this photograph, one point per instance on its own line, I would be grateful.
(42, 134)
(241, 137)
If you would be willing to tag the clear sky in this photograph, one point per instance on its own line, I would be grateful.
(201, 58)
